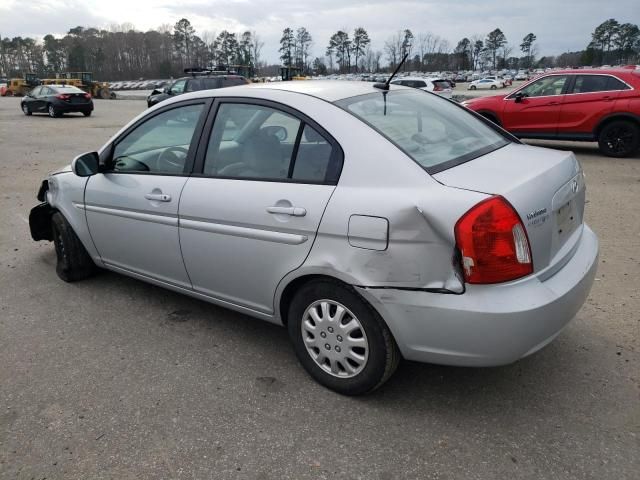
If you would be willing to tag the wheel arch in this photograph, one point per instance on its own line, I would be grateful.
(613, 117)
(292, 283)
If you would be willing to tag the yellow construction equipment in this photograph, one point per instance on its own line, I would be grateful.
(84, 81)
(18, 87)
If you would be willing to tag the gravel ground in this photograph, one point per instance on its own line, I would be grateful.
(114, 378)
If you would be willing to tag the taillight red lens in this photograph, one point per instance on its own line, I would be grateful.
(493, 243)
(87, 96)
(436, 88)
(63, 96)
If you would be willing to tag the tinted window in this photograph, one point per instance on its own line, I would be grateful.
(36, 91)
(210, 83)
(442, 84)
(546, 86)
(432, 131)
(590, 83)
(615, 84)
(159, 145)
(193, 85)
(230, 82)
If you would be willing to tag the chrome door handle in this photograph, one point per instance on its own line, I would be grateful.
(158, 197)
(293, 211)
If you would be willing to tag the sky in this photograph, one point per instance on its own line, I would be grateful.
(560, 25)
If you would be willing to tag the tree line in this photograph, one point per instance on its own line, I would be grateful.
(121, 52)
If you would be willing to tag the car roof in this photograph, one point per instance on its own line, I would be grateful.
(599, 71)
(329, 90)
(188, 77)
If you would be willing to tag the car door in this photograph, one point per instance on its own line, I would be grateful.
(31, 99)
(538, 108)
(251, 215)
(40, 99)
(590, 98)
(132, 206)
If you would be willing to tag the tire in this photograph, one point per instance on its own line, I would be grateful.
(87, 114)
(53, 113)
(370, 353)
(26, 110)
(74, 263)
(619, 138)
(472, 87)
(493, 87)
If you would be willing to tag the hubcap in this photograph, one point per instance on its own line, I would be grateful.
(25, 109)
(335, 339)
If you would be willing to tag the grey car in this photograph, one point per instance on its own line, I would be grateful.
(374, 224)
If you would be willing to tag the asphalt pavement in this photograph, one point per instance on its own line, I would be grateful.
(111, 378)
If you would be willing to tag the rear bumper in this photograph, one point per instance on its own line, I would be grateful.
(488, 325)
(74, 107)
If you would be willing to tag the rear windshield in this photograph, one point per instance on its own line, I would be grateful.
(68, 90)
(434, 132)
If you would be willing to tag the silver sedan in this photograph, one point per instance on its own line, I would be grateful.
(375, 224)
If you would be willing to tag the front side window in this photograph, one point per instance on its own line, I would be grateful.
(178, 87)
(260, 142)
(432, 131)
(545, 87)
(159, 145)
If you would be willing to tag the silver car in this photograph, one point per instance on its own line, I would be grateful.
(374, 224)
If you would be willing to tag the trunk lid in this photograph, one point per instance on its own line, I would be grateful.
(546, 187)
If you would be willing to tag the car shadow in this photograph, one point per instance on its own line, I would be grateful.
(415, 387)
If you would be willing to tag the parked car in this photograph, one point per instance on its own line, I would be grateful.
(521, 76)
(485, 83)
(437, 85)
(375, 224)
(579, 105)
(194, 84)
(56, 100)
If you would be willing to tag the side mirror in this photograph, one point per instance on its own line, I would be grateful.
(86, 164)
(518, 97)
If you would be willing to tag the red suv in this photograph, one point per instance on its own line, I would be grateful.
(583, 105)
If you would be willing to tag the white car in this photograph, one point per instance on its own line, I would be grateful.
(490, 83)
(436, 85)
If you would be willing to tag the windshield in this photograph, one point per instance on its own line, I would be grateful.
(432, 131)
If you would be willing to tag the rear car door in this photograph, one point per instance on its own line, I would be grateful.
(132, 207)
(539, 108)
(590, 98)
(251, 214)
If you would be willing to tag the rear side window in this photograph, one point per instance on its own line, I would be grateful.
(597, 83)
(616, 84)
(230, 82)
(210, 83)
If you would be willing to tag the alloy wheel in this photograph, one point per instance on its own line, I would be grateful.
(335, 338)
(619, 140)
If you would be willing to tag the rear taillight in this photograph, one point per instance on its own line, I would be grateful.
(493, 243)
(87, 96)
(63, 96)
(436, 88)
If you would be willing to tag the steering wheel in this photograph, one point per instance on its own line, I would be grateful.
(125, 164)
(172, 159)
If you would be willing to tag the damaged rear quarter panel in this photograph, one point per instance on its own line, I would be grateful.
(379, 180)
